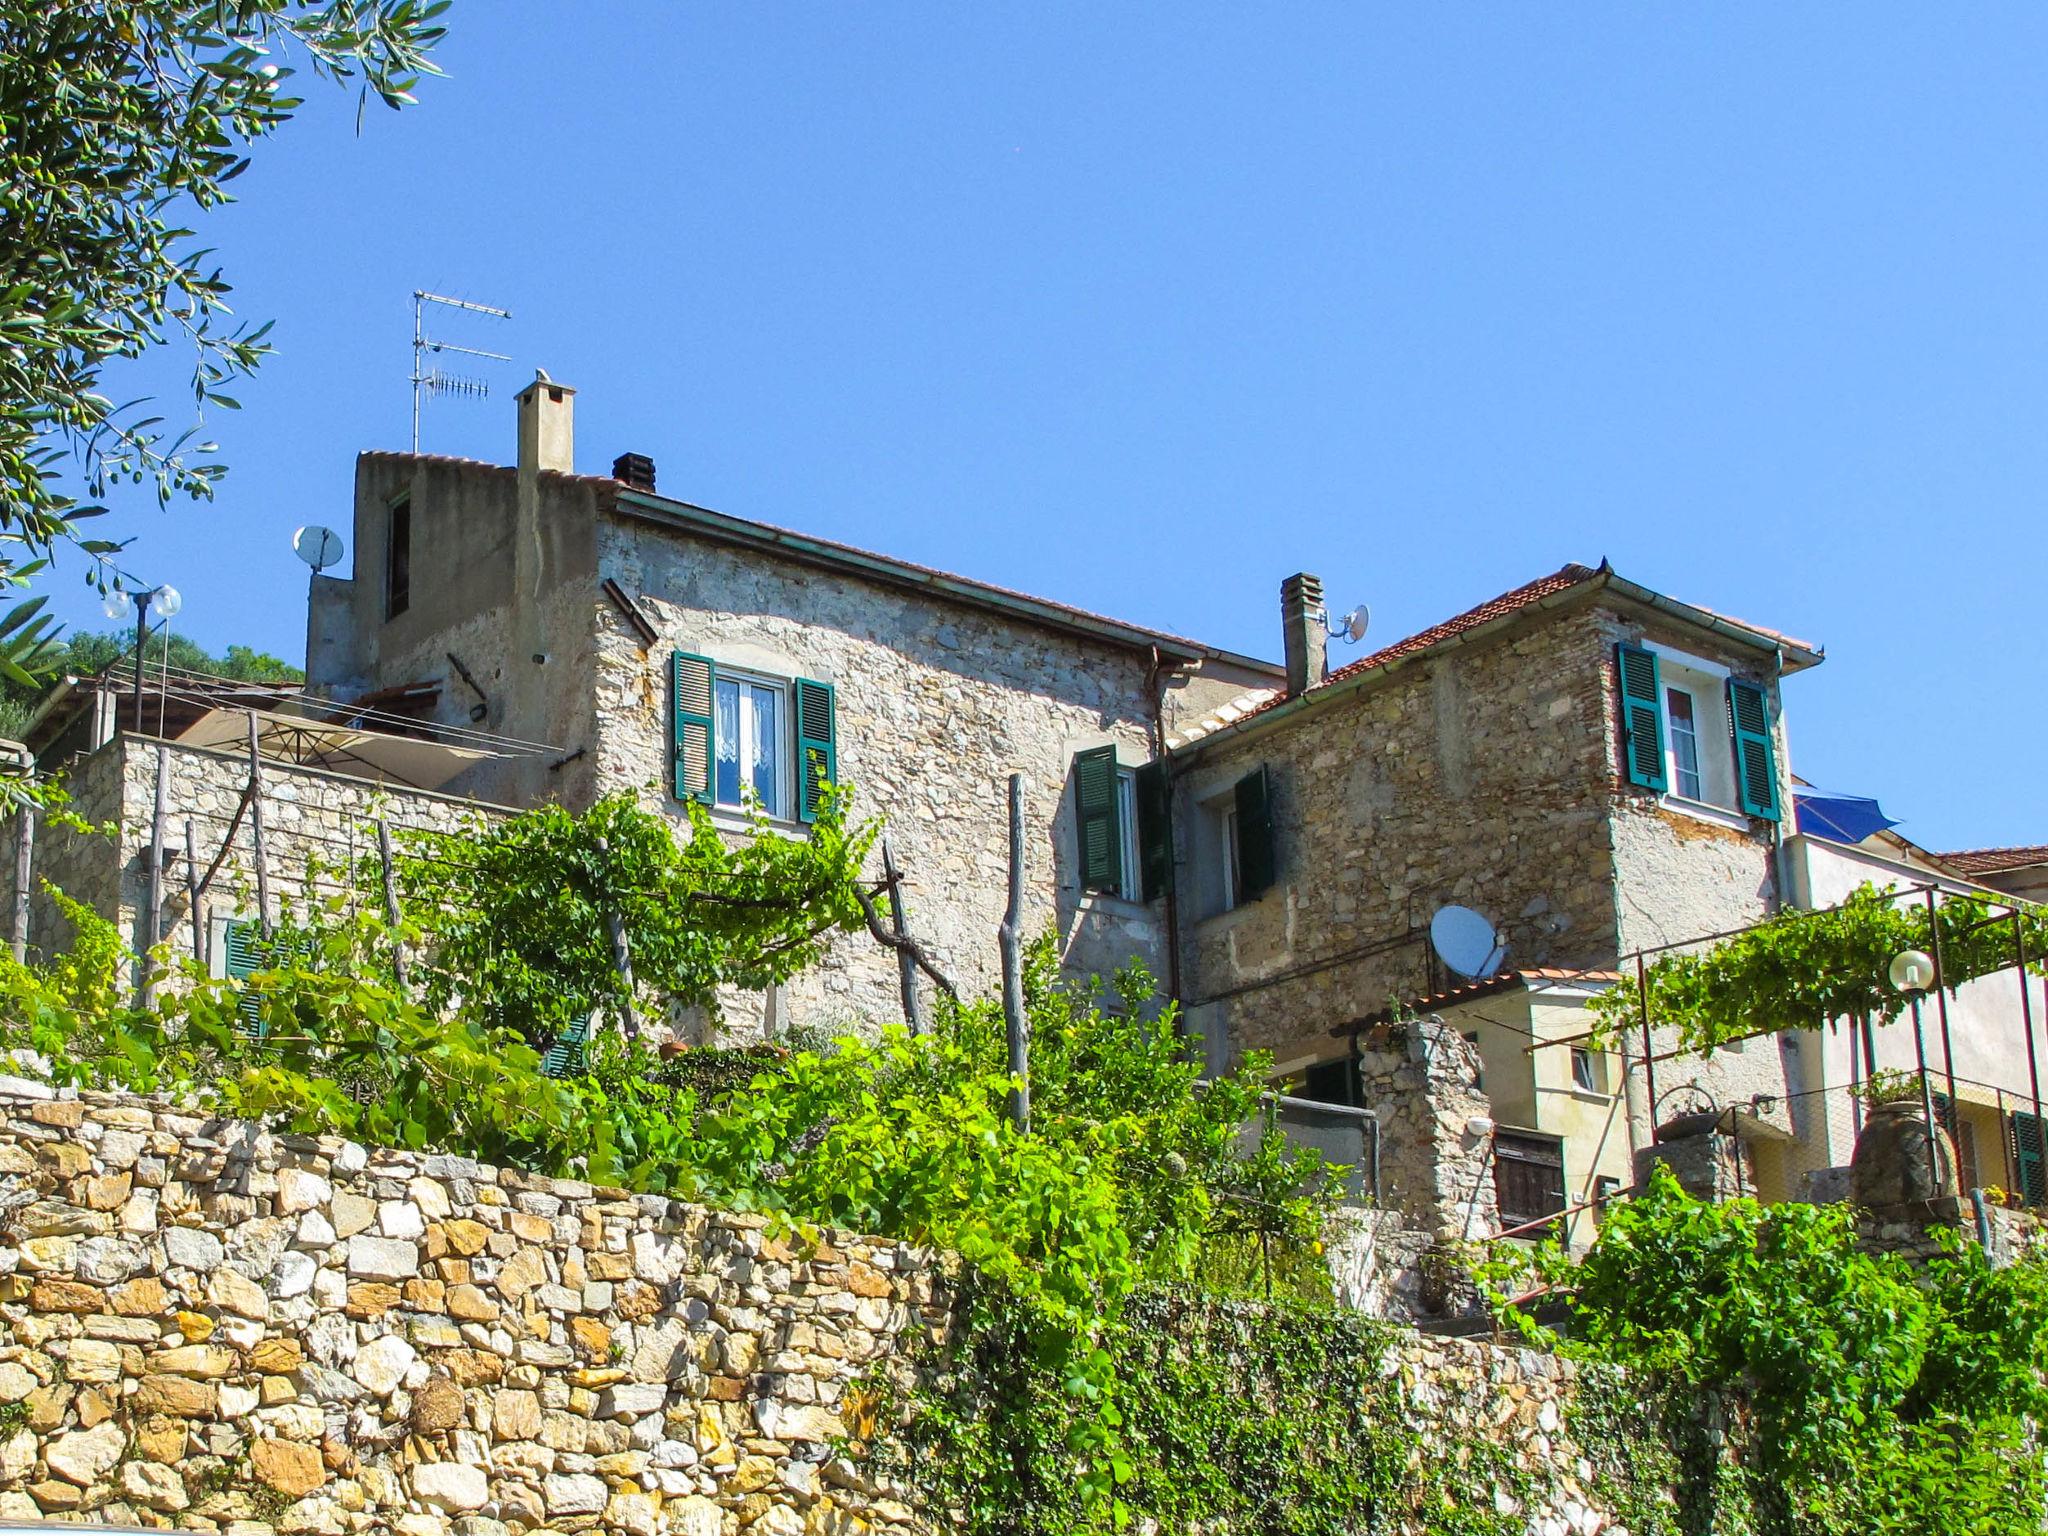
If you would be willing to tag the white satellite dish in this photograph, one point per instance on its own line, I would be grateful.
(1355, 622)
(1466, 942)
(318, 547)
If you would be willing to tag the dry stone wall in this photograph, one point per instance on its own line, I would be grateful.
(211, 1324)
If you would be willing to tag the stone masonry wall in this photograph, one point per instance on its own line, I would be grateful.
(1475, 778)
(207, 1323)
(937, 704)
(308, 814)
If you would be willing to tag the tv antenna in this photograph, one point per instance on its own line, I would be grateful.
(433, 381)
(318, 547)
(1351, 626)
(1466, 942)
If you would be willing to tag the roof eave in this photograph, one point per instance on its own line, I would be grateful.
(881, 568)
(1793, 655)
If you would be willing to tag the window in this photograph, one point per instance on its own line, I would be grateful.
(752, 746)
(736, 735)
(1240, 835)
(1685, 743)
(1121, 826)
(1588, 1074)
(1695, 733)
(398, 558)
(1127, 825)
(1226, 841)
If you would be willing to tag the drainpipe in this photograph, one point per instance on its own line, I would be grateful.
(1983, 1222)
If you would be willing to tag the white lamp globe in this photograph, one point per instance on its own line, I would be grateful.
(1912, 971)
(114, 604)
(167, 601)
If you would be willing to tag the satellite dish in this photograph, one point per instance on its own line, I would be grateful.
(1466, 942)
(318, 547)
(1352, 626)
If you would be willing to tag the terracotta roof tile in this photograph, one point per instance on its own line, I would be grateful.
(1471, 991)
(1991, 861)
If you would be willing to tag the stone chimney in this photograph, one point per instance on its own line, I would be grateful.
(547, 432)
(634, 469)
(1301, 628)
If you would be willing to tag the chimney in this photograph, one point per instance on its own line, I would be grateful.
(547, 434)
(1302, 629)
(634, 469)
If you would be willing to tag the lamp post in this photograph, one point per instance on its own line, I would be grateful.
(168, 601)
(1912, 972)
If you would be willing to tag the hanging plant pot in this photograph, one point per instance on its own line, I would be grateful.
(1896, 1162)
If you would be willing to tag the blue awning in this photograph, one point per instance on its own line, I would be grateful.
(1838, 818)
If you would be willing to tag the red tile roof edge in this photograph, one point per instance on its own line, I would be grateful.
(1991, 861)
(1472, 991)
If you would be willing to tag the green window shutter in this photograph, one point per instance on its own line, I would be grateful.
(1155, 831)
(565, 1057)
(1642, 717)
(1756, 768)
(1101, 838)
(243, 955)
(817, 746)
(1256, 862)
(2030, 1158)
(696, 728)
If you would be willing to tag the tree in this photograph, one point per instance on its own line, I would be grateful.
(120, 120)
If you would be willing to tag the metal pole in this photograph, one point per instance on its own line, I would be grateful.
(2005, 1142)
(1948, 1058)
(256, 830)
(1649, 1048)
(24, 871)
(391, 902)
(906, 966)
(1017, 1029)
(2019, 952)
(194, 901)
(141, 639)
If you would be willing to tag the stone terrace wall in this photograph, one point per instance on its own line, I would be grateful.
(209, 1323)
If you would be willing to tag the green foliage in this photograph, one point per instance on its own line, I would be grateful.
(1884, 1400)
(1801, 969)
(515, 912)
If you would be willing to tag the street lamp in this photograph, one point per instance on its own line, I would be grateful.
(114, 605)
(1912, 972)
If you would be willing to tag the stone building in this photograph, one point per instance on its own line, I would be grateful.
(683, 654)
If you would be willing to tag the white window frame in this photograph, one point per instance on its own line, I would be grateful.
(1595, 1079)
(1706, 684)
(785, 749)
(1229, 882)
(1133, 888)
(1691, 735)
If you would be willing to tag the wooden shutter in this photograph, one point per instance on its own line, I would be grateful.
(1642, 717)
(243, 954)
(696, 724)
(1256, 863)
(1756, 769)
(566, 1056)
(2030, 1159)
(1101, 835)
(817, 746)
(1155, 831)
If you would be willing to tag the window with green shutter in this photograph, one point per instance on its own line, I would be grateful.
(696, 732)
(1642, 717)
(817, 745)
(565, 1057)
(1155, 831)
(2030, 1158)
(1099, 825)
(1257, 863)
(1756, 769)
(243, 953)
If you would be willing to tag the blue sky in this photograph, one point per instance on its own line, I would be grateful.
(1143, 307)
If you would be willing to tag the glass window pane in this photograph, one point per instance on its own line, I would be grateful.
(726, 775)
(765, 771)
(1685, 742)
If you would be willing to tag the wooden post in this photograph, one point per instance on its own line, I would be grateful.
(153, 919)
(195, 900)
(622, 957)
(391, 902)
(1016, 1028)
(906, 965)
(24, 871)
(256, 830)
